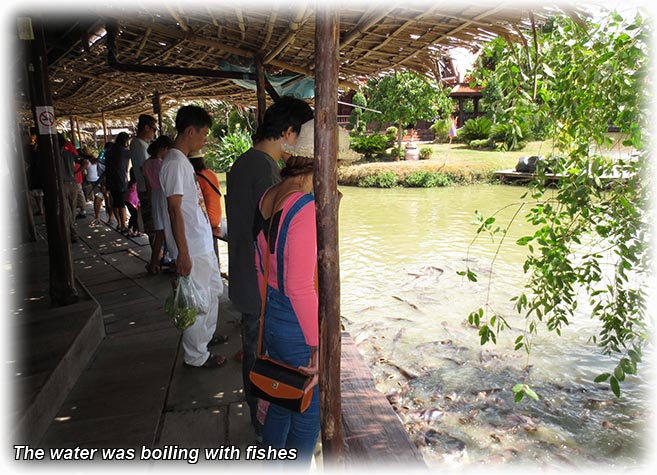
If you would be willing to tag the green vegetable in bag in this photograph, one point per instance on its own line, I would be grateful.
(184, 303)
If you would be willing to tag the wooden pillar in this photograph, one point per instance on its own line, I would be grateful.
(72, 125)
(460, 120)
(104, 128)
(260, 89)
(326, 200)
(157, 109)
(62, 279)
(25, 221)
(77, 128)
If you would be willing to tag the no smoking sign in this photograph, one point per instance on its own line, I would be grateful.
(46, 120)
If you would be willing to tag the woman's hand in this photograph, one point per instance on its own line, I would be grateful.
(313, 366)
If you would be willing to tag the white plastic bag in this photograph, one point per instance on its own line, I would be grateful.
(186, 301)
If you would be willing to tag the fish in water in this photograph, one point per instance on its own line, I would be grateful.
(453, 449)
(430, 415)
(425, 277)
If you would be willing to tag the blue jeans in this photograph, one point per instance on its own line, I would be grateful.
(284, 341)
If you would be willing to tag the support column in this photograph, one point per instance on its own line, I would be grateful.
(62, 278)
(104, 128)
(326, 200)
(260, 89)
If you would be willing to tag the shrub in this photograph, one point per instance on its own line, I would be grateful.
(476, 129)
(397, 152)
(369, 145)
(391, 135)
(380, 180)
(220, 156)
(511, 135)
(440, 129)
(427, 179)
(482, 144)
(426, 152)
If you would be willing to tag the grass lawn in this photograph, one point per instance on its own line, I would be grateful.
(462, 164)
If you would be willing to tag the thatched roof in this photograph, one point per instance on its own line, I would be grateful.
(375, 36)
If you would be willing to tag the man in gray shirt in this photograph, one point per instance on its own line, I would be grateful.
(146, 129)
(250, 176)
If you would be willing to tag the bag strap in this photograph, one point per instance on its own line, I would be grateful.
(263, 293)
(282, 236)
(209, 182)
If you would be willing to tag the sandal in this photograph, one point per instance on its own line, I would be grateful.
(152, 270)
(94, 222)
(218, 340)
(213, 361)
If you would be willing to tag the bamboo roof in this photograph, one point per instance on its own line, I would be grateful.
(375, 37)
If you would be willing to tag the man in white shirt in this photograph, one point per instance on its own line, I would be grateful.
(146, 129)
(188, 232)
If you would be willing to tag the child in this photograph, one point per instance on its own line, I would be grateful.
(151, 172)
(452, 130)
(132, 203)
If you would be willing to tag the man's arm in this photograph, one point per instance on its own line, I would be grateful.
(183, 261)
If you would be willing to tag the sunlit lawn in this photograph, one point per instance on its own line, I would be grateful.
(455, 159)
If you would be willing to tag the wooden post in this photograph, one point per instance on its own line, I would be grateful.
(72, 124)
(326, 200)
(77, 128)
(25, 222)
(104, 128)
(260, 88)
(62, 278)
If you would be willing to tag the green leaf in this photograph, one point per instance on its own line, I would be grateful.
(523, 241)
(531, 393)
(602, 378)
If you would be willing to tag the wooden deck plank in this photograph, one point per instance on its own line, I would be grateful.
(373, 432)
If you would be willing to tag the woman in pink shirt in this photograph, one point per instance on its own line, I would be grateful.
(286, 236)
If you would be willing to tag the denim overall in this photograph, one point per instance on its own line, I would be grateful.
(284, 341)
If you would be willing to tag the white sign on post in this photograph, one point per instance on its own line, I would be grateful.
(46, 120)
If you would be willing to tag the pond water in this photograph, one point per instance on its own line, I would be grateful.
(406, 307)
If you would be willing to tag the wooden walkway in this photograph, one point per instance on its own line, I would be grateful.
(135, 392)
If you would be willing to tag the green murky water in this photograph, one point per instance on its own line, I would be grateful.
(406, 307)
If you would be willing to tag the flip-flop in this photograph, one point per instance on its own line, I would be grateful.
(213, 361)
(218, 340)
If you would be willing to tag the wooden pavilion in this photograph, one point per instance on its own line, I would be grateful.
(96, 64)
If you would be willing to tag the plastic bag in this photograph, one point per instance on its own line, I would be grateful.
(186, 301)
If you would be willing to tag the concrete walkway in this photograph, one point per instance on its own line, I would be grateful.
(135, 392)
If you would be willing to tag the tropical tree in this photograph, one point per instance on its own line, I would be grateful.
(591, 233)
(358, 125)
(404, 98)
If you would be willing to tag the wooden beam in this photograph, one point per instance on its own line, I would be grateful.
(466, 23)
(295, 25)
(174, 14)
(327, 29)
(365, 24)
(201, 41)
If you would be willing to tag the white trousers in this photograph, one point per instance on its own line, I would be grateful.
(195, 339)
